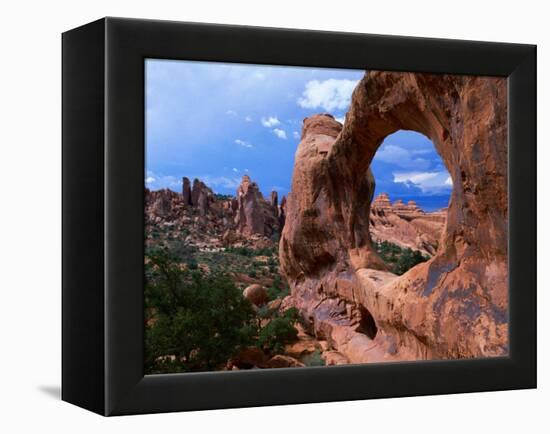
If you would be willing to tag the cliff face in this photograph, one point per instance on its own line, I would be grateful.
(406, 224)
(454, 305)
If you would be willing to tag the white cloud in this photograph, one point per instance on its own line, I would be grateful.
(220, 181)
(281, 134)
(428, 182)
(400, 157)
(243, 143)
(421, 151)
(231, 113)
(156, 181)
(341, 119)
(248, 118)
(271, 121)
(329, 94)
(296, 134)
(235, 169)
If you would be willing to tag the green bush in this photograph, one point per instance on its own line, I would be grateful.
(400, 260)
(196, 322)
(202, 321)
(279, 332)
(277, 290)
(248, 252)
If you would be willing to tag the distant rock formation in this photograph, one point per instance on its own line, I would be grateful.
(452, 306)
(281, 214)
(254, 215)
(161, 203)
(215, 221)
(200, 195)
(406, 225)
(186, 191)
(274, 199)
(249, 218)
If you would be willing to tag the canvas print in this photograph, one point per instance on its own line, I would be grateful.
(303, 217)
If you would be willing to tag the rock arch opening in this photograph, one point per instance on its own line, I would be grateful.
(367, 324)
(411, 198)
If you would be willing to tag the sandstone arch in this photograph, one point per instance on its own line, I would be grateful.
(455, 305)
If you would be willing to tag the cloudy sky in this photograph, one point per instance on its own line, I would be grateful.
(218, 121)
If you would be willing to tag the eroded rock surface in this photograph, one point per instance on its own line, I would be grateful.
(454, 305)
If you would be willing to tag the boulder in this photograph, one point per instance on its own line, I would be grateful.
(247, 358)
(256, 294)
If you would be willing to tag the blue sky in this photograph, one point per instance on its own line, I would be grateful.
(216, 122)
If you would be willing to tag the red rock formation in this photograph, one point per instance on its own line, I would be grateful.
(210, 221)
(382, 202)
(254, 215)
(281, 214)
(186, 191)
(201, 196)
(249, 218)
(160, 203)
(274, 198)
(454, 305)
(406, 225)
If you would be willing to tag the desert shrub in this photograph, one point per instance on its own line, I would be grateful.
(197, 322)
(200, 321)
(219, 196)
(400, 260)
(248, 252)
(278, 289)
(279, 332)
(407, 260)
(182, 251)
(243, 251)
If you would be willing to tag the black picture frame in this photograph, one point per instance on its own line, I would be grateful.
(103, 208)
